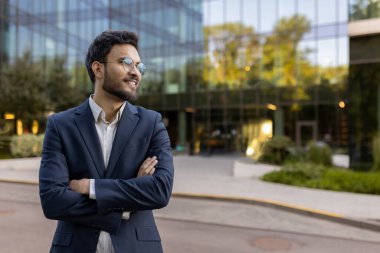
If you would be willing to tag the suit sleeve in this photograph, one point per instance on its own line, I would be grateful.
(58, 201)
(141, 193)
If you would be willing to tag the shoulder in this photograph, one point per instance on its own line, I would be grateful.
(144, 112)
(69, 113)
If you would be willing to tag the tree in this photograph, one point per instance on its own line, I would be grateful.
(61, 92)
(23, 88)
(281, 55)
(364, 9)
(233, 50)
(30, 90)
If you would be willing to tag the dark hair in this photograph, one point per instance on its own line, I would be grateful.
(102, 45)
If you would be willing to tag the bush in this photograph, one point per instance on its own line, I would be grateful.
(275, 149)
(328, 178)
(27, 145)
(296, 173)
(376, 153)
(319, 153)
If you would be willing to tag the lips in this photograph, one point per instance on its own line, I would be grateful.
(131, 82)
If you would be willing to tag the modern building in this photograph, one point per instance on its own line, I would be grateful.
(364, 80)
(225, 74)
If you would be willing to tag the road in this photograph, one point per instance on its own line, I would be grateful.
(198, 226)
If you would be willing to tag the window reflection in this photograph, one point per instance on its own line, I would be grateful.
(251, 13)
(327, 11)
(207, 57)
(233, 12)
(364, 9)
(268, 15)
(286, 8)
(307, 9)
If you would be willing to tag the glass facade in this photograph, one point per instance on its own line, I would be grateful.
(218, 70)
(364, 80)
(364, 9)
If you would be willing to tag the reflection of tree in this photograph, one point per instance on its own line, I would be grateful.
(280, 52)
(232, 49)
(284, 64)
(194, 72)
(62, 93)
(235, 56)
(22, 88)
(364, 9)
(28, 90)
(336, 76)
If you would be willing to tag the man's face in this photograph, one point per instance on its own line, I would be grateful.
(119, 81)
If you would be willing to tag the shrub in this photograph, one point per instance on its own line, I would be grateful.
(376, 153)
(319, 153)
(27, 145)
(329, 178)
(296, 173)
(275, 149)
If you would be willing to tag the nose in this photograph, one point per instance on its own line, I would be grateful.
(134, 71)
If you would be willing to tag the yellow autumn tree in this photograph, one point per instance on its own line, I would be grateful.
(232, 50)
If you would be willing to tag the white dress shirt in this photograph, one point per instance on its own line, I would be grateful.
(106, 133)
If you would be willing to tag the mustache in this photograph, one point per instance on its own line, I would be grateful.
(131, 79)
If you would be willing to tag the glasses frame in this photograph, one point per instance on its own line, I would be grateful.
(127, 62)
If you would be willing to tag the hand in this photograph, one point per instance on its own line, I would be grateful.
(147, 168)
(82, 186)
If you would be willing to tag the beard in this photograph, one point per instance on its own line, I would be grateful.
(116, 89)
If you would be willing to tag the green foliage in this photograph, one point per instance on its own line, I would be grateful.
(22, 88)
(328, 178)
(60, 92)
(376, 153)
(226, 62)
(276, 149)
(283, 63)
(27, 145)
(319, 153)
(364, 9)
(30, 89)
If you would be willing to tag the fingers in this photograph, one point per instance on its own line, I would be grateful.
(73, 183)
(82, 185)
(147, 168)
(149, 161)
(152, 171)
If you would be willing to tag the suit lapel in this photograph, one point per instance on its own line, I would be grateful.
(127, 124)
(86, 125)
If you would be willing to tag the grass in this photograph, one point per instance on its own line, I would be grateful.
(5, 156)
(311, 175)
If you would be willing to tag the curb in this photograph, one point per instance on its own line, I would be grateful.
(331, 216)
(335, 217)
(18, 181)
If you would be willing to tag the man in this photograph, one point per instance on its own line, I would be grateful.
(107, 164)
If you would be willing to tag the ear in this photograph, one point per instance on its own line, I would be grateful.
(98, 69)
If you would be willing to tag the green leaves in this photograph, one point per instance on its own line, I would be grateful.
(329, 178)
(31, 89)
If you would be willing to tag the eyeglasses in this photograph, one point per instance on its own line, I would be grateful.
(128, 64)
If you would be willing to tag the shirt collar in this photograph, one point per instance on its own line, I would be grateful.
(99, 113)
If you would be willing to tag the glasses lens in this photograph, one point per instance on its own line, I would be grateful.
(142, 68)
(128, 63)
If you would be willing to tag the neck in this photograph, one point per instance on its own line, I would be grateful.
(109, 104)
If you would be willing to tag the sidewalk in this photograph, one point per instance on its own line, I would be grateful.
(212, 178)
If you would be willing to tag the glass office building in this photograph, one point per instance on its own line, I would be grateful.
(225, 74)
(364, 80)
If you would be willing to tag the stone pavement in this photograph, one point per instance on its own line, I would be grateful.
(216, 177)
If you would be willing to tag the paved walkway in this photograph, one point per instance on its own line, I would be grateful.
(213, 177)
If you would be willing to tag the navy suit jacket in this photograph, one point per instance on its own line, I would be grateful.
(72, 151)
